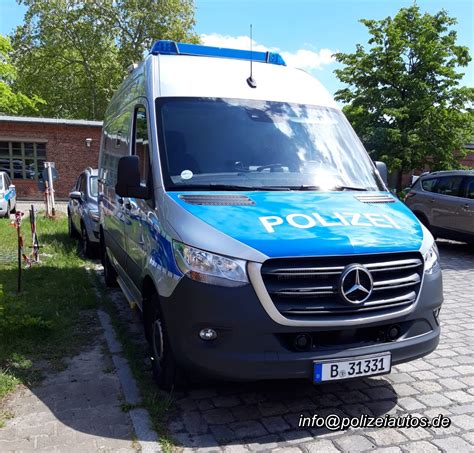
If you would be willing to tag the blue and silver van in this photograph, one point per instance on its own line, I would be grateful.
(242, 215)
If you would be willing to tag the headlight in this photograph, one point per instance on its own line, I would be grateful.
(432, 259)
(94, 214)
(209, 268)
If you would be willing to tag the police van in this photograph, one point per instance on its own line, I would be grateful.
(7, 195)
(242, 215)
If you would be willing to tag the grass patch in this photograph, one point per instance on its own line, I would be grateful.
(48, 320)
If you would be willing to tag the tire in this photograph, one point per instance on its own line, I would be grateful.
(13, 210)
(86, 246)
(166, 372)
(424, 220)
(71, 229)
(110, 275)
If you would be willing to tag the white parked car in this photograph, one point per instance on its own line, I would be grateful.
(7, 195)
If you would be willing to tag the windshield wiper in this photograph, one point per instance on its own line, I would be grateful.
(362, 189)
(227, 187)
(312, 187)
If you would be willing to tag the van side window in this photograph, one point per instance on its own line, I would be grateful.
(429, 184)
(449, 185)
(141, 147)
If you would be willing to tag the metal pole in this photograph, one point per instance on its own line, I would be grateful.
(51, 189)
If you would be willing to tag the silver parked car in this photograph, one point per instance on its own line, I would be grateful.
(83, 213)
(444, 202)
(7, 195)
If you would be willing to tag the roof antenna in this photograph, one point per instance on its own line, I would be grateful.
(251, 81)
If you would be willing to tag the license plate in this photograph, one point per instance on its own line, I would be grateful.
(334, 370)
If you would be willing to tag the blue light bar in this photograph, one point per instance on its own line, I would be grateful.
(181, 48)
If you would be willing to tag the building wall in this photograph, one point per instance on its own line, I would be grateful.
(65, 146)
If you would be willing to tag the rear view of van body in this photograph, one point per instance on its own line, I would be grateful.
(247, 222)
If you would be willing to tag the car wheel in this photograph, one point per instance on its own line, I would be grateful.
(72, 233)
(166, 372)
(86, 245)
(424, 220)
(110, 275)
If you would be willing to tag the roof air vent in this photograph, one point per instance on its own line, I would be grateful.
(217, 200)
(376, 198)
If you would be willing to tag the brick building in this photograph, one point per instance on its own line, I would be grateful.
(25, 143)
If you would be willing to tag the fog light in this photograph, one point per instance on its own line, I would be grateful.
(208, 334)
(393, 333)
(302, 342)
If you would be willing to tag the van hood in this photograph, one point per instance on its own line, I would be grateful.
(289, 224)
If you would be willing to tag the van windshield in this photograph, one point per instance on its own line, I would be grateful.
(229, 144)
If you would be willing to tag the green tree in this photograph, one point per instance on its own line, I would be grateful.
(74, 54)
(404, 97)
(12, 102)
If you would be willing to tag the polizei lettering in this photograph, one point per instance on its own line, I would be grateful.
(337, 219)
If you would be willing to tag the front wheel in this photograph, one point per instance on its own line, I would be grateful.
(86, 245)
(110, 275)
(166, 372)
(71, 230)
(7, 212)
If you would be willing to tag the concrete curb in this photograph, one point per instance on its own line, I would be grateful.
(146, 436)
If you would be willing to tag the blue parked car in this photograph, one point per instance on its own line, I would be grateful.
(83, 213)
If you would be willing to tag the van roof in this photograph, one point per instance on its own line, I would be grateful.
(211, 77)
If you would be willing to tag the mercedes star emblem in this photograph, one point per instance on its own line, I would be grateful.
(356, 284)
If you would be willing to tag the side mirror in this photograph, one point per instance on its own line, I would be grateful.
(11, 186)
(75, 195)
(128, 179)
(382, 169)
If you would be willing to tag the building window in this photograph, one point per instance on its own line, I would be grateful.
(22, 160)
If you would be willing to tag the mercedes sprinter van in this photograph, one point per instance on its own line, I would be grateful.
(242, 215)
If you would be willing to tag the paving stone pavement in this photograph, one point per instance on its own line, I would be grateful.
(264, 416)
(75, 410)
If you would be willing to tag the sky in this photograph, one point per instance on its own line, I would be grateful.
(305, 32)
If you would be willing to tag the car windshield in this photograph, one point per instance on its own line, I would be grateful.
(236, 144)
(93, 186)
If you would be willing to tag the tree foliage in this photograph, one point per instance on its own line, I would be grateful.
(11, 101)
(404, 97)
(74, 53)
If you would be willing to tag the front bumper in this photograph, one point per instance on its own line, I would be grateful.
(251, 346)
(92, 228)
(3, 206)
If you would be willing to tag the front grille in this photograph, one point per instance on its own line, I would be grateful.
(303, 288)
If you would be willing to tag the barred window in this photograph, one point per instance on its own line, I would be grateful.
(22, 160)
